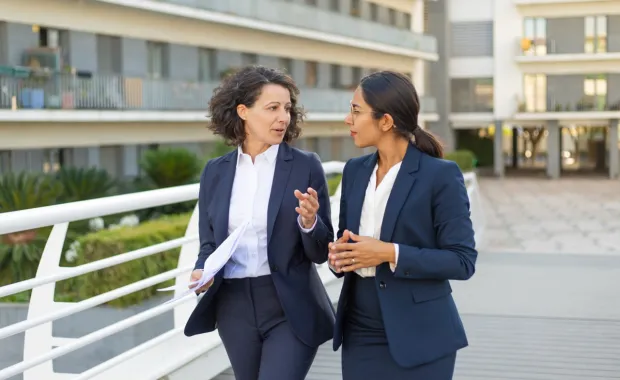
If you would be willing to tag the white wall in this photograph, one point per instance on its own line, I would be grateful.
(471, 10)
(472, 67)
(508, 79)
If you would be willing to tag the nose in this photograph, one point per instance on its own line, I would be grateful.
(284, 117)
(348, 120)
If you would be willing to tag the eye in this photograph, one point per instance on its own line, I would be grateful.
(273, 108)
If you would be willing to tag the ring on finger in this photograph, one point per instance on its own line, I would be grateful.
(352, 261)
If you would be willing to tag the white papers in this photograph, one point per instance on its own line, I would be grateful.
(214, 263)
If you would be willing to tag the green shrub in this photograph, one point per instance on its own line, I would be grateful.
(170, 167)
(465, 159)
(333, 182)
(81, 184)
(107, 243)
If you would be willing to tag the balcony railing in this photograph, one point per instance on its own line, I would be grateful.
(549, 46)
(320, 20)
(111, 92)
(584, 105)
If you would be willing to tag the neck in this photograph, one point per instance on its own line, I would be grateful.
(254, 148)
(392, 152)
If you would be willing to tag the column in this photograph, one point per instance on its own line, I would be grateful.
(553, 150)
(419, 77)
(498, 149)
(515, 148)
(614, 153)
(417, 16)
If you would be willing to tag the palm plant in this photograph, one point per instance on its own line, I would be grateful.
(84, 183)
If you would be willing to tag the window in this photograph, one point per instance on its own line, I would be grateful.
(156, 59)
(287, 65)
(334, 5)
(356, 73)
(335, 81)
(248, 59)
(374, 12)
(391, 17)
(207, 65)
(535, 93)
(356, 8)
(312, 74)
(472, 95)
(595, 34)
(595, 92)
(535, 32)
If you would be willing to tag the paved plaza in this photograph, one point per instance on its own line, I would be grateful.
(535, 215)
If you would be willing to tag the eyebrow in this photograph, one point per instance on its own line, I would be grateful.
(355, 105)
(276, 102)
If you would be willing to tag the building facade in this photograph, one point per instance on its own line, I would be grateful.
(125, 76)
(533, 84)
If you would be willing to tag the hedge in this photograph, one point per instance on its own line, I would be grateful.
(465, 159)
(107, 243)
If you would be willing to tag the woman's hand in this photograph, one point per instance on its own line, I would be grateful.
(196, 276)
(365, 252)
(308, 207)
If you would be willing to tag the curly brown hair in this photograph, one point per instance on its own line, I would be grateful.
(244, 87)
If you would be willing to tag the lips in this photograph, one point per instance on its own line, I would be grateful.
(279, 130)
(353, 133)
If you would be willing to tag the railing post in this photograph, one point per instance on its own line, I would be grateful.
(39, 340)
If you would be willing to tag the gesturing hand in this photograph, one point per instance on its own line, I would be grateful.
(332, 249)
(196, 276)
(365, 252)
(308, 206)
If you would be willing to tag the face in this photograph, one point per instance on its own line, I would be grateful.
(267, 120)
(365, 130)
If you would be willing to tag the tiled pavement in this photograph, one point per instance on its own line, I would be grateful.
(569, 215)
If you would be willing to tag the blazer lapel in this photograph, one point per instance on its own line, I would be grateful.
(227, 170)
(284, 163)
(402, 187)
(355, 198)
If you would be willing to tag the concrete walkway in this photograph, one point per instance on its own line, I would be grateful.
(571, 216)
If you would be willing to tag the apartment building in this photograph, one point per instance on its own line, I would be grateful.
(128, 75)
(526, 71)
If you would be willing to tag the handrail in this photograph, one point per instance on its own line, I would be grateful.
(43, 310)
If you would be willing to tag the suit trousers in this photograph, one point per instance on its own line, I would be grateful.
(365, 350)
(256, 335)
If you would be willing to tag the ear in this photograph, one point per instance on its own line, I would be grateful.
(242, 111)
(386, 123)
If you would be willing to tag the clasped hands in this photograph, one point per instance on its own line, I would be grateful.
(364, 252)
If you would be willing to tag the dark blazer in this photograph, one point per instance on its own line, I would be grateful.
(428, 215)
(292, 253)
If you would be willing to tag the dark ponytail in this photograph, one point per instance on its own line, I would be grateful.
(427, 142)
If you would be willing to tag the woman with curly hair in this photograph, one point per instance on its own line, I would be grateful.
(270, 307)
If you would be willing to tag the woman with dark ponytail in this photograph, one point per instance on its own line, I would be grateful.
(404, 232)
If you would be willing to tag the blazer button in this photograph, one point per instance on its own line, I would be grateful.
(274, 268)
(407, 273)
(382, 285)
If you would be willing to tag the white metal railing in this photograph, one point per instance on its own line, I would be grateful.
(157, 357)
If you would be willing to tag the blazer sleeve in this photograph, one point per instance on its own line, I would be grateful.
(205, 230)
(316, 242)
(455, 257)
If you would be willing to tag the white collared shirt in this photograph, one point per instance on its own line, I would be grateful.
(249, 200)
(373, 210)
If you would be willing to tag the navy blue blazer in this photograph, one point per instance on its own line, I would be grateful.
(292, 253)
(428, 215)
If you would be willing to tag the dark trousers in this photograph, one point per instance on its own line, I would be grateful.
(256, 335)
(365, 350)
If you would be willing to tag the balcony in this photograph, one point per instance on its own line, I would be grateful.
(542, 57)
(322, 21)
(118, 93)
(587, 110)
(566, 8)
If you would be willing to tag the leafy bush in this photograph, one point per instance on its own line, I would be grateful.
(84, 183)
(170, 167)
(333, 182)
(21, 191)
(107, 243)
(465, 159)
